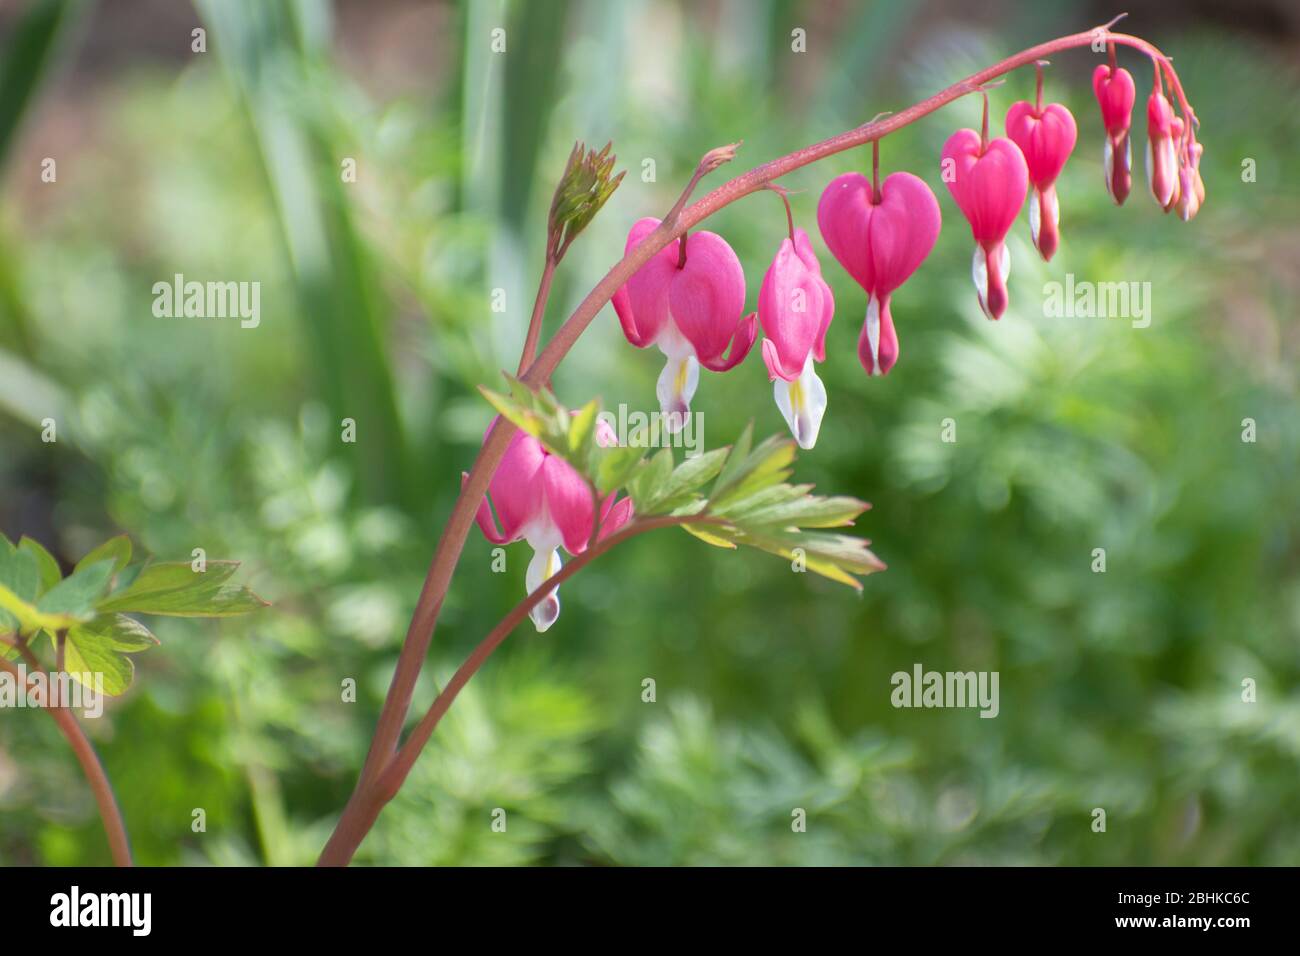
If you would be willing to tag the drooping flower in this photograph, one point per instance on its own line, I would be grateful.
(692, 309)
(1164, 130)
(988, 180)
(880, 237)
(1115, 94)
(795, 307)
(1046, 137)
(541, 499)
(1191, 190)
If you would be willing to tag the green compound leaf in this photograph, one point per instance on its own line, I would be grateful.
(751, 503)
(175, 589)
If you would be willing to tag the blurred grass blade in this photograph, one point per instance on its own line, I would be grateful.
(25, 59)
(537, 34)
(275, 56)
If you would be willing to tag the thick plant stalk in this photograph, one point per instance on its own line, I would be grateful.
(118, 843)
(384, 745)
(345, 840)
(535, 320)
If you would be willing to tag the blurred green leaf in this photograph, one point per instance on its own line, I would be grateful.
(31, 45)
(48, 567)
(175, 589)
(277, 64)
(118, 549)
(92, 660)
(75, 595)
(117, 631)
(647, 484)
(20, 572)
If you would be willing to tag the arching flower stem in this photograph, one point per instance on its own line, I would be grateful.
(384, 744)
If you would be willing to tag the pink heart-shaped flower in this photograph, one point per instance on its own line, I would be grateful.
(988, 185)
(880, 244)
(1045, 138)
(1116, 95)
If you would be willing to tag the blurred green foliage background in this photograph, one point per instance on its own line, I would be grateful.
(1120, 690)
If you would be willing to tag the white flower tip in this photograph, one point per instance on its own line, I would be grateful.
(802, 404)
(674, 417)
(980, 275)
(545, 563)
(675, 389)
(545, 613)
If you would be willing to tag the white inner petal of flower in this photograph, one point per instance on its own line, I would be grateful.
(1036, 211)
(873, 332)
(544, 565)
(679, 379)
(980, 273)
(802, 404)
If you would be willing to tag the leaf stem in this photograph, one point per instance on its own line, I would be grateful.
(353, 828)
(118, 843)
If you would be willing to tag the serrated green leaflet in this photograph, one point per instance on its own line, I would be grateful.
(76, 594)
(805, 512)
(736, 460)
(20, 573)
(694, 473)
(47, 567)
(614, 466)
(582, 432)
(118, 549)
(766, 465)
(93, 661)
(176, 589)
(168, 577)
(117, 631)
(648, 482)
(17, 614)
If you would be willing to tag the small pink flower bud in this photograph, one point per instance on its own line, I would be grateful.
(1116, 94)
(1191, 191)
(880, 240)
(1164, 130)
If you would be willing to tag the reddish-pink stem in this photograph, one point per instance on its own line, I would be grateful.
(114, 828)
(345, 840)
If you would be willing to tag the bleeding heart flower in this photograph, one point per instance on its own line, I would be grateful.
(1046, 137)
(795, 307)
(880, 238)
(989, 181)
(1164, 130)
(541, 499)
(692, 310)
(1116, 93)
